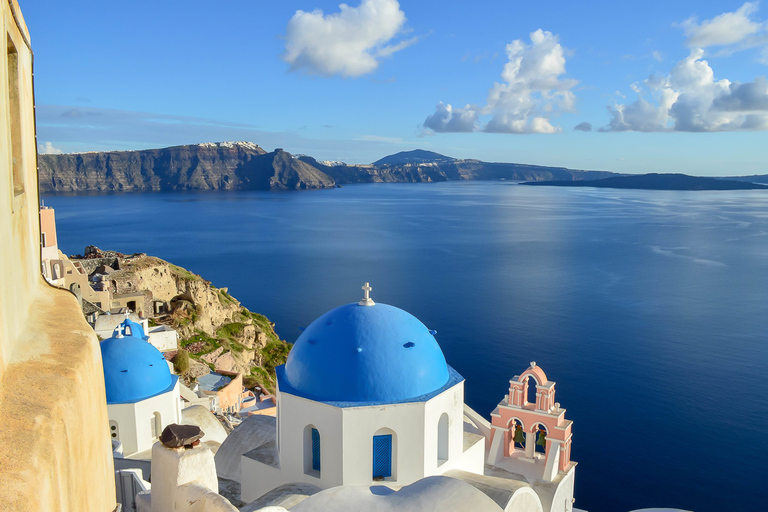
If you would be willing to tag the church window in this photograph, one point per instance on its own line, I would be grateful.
(315, 449)
(442, 439)
(156, 426)
(382, 456)
(312, 451)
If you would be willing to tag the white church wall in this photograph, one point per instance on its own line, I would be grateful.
(135, 421)
(362, 423)
(163, 338)
(125, 417)
(258, 479)
(562, 500)
(295, 415)
(450, 402)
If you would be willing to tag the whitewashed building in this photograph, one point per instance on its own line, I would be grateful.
(365, 395)
(142, 395)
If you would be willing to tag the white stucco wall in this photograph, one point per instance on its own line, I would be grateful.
(163, 339)
(134, 420)
(562, 500)
(346, 440)
(106, 324)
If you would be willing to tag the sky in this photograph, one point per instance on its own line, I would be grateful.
(621, 86)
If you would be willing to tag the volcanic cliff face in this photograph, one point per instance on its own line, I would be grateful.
(210, 166)
(246, 166)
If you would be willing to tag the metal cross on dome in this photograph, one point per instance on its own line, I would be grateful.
(120, 328)
(367, 300)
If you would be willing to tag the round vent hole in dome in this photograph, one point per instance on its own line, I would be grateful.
(409, 344)
(311, 342)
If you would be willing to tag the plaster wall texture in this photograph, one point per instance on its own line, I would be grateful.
(346, 441)
(172, 468)
(134, 420)
(558, 496)
(230, 395)
(202, 417)
(525, 500)
(73, 276)
(427, 495)
(48, 226)
(253, 432)
(52, 456)
(450, 402)
(164, 340)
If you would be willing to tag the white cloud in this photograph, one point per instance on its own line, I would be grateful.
(452, 119)
(531, 93)
(690, 99)
(347, 43)
(725, 29)
(48, 149)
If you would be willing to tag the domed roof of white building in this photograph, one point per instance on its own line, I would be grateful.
(134, 370)
(371, 353)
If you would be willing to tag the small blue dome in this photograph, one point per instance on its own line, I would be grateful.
(373, 354)
(134, 370)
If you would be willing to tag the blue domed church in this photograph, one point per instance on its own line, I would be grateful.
(142, 394)
(365, 395)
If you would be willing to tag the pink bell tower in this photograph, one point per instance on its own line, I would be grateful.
(532, 433)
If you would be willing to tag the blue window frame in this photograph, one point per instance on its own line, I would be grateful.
(315, 449)
(382, 456)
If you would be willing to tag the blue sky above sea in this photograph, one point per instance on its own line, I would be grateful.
(651, 87)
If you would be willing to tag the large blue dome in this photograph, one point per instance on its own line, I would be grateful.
(370, 354)
(134, 370)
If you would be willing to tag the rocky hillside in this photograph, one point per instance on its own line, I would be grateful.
(212, 166)
(246, 166)
(216, 331)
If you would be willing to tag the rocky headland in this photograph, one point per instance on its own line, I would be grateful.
(216, 332)
(246, 166)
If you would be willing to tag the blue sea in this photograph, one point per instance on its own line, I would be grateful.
(648, 308)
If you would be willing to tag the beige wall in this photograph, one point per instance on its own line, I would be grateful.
(73, 276)
(48, 226)
(55, 451)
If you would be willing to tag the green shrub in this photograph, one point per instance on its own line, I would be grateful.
(181, 362)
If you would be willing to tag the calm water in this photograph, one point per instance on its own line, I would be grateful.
(649, 309)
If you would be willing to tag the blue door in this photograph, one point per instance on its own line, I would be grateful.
(315, 449)
(382, 456)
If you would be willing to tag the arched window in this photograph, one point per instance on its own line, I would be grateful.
(384, 454)
(312, 453)
(531, 390)
(516, 435)
(541, 439)
(156, 425)
(442, 439)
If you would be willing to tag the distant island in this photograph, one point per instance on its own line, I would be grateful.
(654, 181)
(246, 166)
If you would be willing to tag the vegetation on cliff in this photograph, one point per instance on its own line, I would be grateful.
(216, 332)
